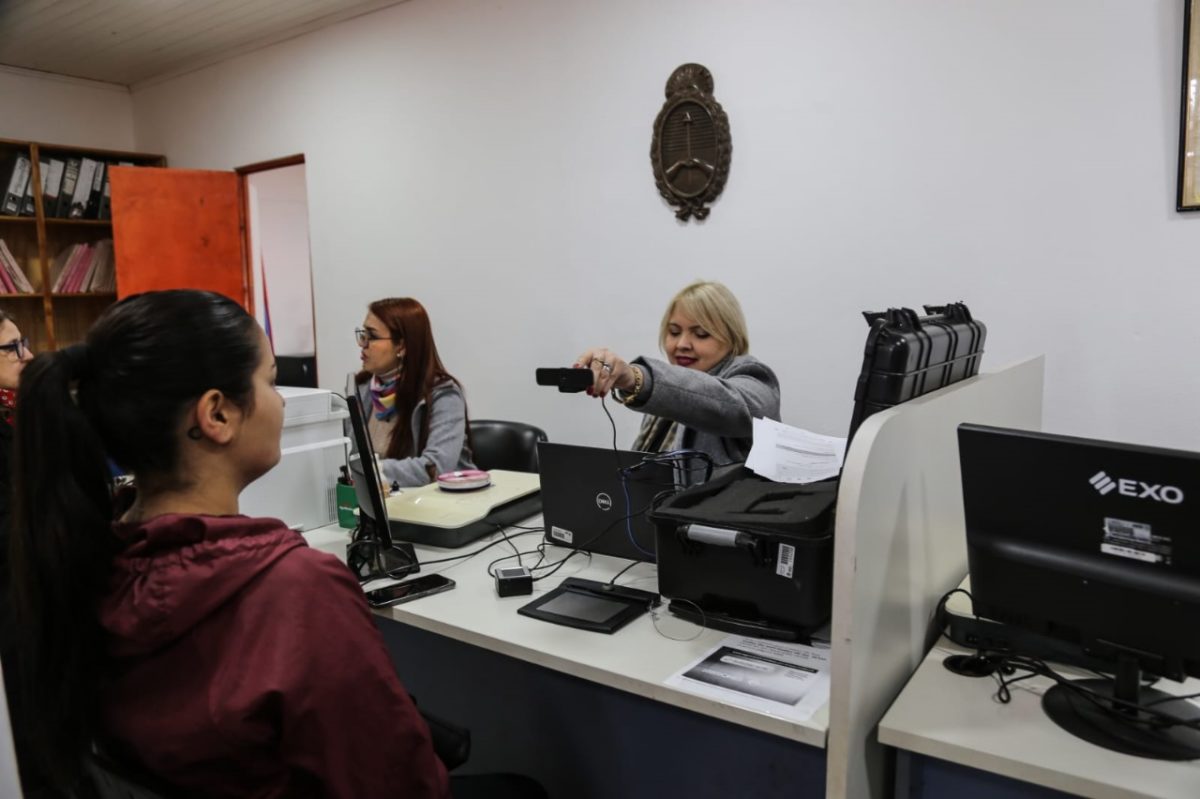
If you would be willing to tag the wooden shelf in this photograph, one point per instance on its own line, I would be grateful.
(58, 318)
(55, 222)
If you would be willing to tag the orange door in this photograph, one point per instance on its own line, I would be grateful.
(178, 228)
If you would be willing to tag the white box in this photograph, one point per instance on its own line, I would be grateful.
(302, 488)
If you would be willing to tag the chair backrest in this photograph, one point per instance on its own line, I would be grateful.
(296, 370)
(505, 445)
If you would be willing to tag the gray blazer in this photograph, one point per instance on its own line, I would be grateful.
(715, 407)
(447, 446)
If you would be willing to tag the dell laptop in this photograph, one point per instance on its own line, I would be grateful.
(598, 500)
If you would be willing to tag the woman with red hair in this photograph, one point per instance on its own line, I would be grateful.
(415, 411)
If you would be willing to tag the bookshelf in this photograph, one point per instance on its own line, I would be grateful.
(40, 240)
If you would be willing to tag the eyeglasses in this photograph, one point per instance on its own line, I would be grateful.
(365, 337)
(18, 348)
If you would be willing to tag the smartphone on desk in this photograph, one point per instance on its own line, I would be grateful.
(409, 590)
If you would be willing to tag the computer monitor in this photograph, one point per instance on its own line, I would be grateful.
(372, 553)
(1096, 544)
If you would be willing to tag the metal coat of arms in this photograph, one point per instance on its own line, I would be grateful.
(692, 146)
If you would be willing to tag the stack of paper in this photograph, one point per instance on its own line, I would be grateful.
(788, 454)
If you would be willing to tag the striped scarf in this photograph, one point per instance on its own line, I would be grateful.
(656, 435)
(8, 405)
(383, 394)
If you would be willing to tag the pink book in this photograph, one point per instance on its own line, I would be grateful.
(9, 286)
(68, 270)
(81, 268)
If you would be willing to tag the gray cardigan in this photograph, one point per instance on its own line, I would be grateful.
(715, 407)
(447, 446)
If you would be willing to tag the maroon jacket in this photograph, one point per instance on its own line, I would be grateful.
(245, 664)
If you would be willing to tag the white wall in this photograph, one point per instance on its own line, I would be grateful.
(280, 255)
(491, 159)
(58, 110)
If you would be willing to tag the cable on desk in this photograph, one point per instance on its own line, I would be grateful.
(632, 563)
(654, 615)
(1130, 713)
(499, 529)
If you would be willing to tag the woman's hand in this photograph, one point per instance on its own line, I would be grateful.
(609, 371)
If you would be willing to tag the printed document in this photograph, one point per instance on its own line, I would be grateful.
(789, 454)
(780, 679)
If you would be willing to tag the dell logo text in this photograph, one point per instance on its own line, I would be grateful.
(1136, 489)
(603, 501)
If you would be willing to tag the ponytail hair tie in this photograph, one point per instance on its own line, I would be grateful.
(76, 358)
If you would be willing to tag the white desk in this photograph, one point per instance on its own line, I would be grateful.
(635, 659)
(956, 719)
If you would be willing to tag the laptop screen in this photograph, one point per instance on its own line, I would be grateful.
(590, 502)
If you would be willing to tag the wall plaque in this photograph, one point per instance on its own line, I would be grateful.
(692, 146)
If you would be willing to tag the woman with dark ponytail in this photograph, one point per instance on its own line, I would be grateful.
(215, 651)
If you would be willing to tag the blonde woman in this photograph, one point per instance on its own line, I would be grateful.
(704, 396)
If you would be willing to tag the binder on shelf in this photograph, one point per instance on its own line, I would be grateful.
(67, 192)
(83, 188)
(93, 205)
(17, 181)
(52, 179)
(28, 208)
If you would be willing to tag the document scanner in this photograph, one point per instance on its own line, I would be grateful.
(429, 515)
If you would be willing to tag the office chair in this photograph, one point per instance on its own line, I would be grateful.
(505, 445)
(451, 743)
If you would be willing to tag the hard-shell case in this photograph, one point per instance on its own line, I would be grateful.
(909, 355)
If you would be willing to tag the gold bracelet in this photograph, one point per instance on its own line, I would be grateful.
(637, 387)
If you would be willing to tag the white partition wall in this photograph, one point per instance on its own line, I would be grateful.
(10, 782)
(900, 544)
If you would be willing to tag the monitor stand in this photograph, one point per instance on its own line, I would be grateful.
(1123, 729)
(370, 558)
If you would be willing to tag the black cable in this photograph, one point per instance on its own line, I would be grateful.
(611, 422)
(1130, 713)
(1008, 664)
(472, 554)
(560, 563)
(504, 533)
(613, 581)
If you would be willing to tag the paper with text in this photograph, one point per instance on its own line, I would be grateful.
(789, 454)
(772, 677)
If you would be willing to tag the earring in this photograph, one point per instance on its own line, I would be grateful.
(194, 433)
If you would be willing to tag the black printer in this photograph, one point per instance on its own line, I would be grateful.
(748, 555)
(744, 554)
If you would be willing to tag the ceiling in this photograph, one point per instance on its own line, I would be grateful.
(133, 41)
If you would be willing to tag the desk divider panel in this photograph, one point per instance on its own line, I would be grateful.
(899, 545)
